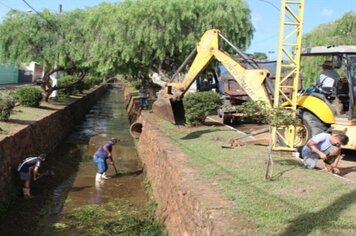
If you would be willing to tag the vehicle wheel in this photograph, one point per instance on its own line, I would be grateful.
(308, 126)
(311, 125)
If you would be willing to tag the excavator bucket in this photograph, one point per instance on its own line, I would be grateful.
(170, 110)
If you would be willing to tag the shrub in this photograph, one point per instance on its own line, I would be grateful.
(29, 96)
(136, 84)
(91, 81)
(74, 89)
(261, 113)
(7, 104)
(199, 105)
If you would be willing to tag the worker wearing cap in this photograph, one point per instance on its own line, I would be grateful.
(25, 170)
(100, 156)
(328, 77)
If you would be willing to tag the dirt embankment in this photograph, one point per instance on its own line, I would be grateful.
(39, 136)
(186, 204)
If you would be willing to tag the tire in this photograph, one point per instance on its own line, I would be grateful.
(312, 125)
(308, 126)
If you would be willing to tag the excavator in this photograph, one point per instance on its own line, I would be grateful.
(317, 111)
(252, 80)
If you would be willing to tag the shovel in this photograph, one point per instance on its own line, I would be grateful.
(113, 164)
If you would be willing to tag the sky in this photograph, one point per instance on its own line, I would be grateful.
(265, 16)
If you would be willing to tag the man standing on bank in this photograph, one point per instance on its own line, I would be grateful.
(100, 156)
(25, 170)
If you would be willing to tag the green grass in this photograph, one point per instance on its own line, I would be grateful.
(114, 218)
(296, 201)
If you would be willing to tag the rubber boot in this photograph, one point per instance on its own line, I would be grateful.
(98, 177)
(26, 193)
(104, 176)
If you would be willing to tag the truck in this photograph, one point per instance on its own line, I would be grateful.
(317, 111)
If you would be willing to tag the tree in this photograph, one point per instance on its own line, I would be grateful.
(131, 37)
(339, 32)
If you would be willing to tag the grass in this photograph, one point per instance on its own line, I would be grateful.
(296, 201)
(115, 218)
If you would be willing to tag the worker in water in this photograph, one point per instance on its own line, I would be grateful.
(100, 158)
(28, 167)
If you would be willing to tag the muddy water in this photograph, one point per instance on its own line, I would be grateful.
(73, 183)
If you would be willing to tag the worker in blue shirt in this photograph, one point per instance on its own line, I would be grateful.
(100, 157)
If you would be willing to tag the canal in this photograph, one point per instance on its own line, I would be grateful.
(68, 202)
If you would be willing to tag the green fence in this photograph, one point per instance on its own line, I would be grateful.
(8, 74)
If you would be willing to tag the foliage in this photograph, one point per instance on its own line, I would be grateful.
(129, 37)
(7, 104)
(65, 81)
(116, 218)
(261, 113)
(91, 81)
(29, 96)
(85, 213)
(199, 105)
(136, 84)
(259, 56)
(339, 32)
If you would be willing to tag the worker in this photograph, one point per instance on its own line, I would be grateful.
(143, 97)
(328, 77)
(326, 147)
(100, 158)
(25, 169)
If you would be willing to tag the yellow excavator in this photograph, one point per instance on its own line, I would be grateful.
(316, 110)
(252, 80)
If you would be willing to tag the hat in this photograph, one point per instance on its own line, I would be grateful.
(115, 140)
(327, 63)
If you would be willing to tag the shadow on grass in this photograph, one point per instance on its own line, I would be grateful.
(44, 107)
(197, 134)
(306, 223)
(347, 170)
(21, 122)
(293, 163)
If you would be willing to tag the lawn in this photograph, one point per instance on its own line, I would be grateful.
(296, 201)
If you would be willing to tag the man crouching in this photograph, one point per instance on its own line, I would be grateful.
(326, 147)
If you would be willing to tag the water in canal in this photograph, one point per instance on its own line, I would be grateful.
(69, 202)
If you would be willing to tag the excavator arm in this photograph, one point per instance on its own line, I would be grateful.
(169, 103)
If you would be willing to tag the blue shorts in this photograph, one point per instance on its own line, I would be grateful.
(25, 175)
(101, 165)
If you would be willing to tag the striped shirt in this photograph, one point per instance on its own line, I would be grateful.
(28, 163)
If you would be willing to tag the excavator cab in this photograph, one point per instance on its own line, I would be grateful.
(332, 110)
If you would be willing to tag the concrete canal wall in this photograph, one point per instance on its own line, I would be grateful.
(40, 136)
(185, 203)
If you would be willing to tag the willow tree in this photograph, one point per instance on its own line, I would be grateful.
(40, 37)
(339, 32)
(130, 37)
(159, 34)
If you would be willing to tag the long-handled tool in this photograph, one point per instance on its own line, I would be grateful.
(46, 173)
(113, 164)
